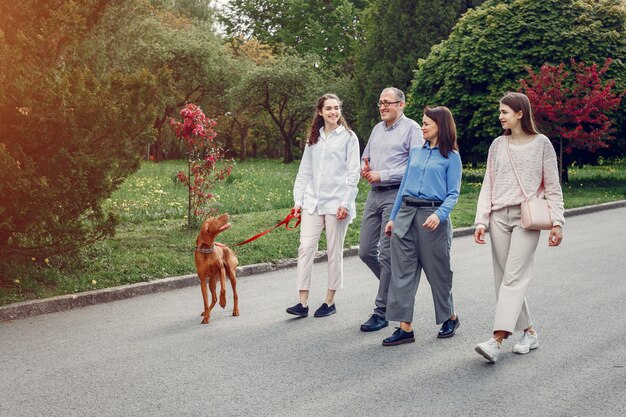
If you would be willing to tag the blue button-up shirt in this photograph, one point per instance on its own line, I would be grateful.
(430, 176)
(388, 148)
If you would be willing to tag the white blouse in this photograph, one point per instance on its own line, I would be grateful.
(329, 174)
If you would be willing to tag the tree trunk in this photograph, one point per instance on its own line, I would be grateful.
(565, 178)
(287, 151)
(244, 142)
(189, 220)
(562, 168)
(156, 149)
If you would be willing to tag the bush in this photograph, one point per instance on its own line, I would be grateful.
(491, 47)
(70, 133)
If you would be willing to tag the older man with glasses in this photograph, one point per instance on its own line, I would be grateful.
(384, 162)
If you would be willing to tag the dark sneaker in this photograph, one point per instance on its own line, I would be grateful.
(374, 323)
(448, 328)
(399, 337)
(325, 310)
(298, 310)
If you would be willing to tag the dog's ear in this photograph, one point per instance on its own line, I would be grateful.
(204, 235)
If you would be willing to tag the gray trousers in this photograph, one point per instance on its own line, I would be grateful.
(374, 244)
(414, 247)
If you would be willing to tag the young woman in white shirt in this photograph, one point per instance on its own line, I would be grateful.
(324, 194)
(513, 247)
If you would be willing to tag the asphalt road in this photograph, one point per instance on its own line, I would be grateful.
(150, 356)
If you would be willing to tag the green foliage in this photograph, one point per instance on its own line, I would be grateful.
(200, 10)
(71, 132)
(396, 33)
(137, 35)
(492, 46)
(325, 28)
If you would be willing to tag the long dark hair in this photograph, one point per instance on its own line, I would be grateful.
(446, 135)
(519, 102)
(318, 120)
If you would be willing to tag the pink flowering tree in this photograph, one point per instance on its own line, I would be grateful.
(205, 160)
(573, 108)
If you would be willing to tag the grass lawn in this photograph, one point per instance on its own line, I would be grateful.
(153, 242)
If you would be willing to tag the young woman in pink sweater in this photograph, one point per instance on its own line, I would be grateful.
(513, 247)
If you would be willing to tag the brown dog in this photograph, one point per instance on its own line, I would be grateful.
(214, 261)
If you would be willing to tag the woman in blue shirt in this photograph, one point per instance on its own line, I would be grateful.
(420, 227)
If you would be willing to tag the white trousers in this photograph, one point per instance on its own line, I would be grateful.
(310, 231)
(513, 251)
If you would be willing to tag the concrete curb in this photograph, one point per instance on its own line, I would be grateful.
(71, 301)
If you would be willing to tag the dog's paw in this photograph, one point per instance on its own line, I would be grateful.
(223, 300)
(235, 312)
(206, 320)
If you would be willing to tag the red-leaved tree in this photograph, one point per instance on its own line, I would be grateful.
(203, 156)
(571, 107)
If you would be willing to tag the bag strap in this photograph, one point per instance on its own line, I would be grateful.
(508, 149)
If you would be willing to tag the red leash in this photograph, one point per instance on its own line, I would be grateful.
(285, 221)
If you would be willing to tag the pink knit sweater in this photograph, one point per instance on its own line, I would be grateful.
(535, 162)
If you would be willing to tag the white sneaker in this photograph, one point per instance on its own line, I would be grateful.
(527, 343)
(489, 349)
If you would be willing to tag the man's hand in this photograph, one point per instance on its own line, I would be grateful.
(372, 176)
(366, 167)
(389, 228)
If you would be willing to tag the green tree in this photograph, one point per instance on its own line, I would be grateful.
(70, 132)
(491, 47)
(243, 121)
(396, 33)
(163, 39)
(326, 28)
(199, 10)
(285, 91)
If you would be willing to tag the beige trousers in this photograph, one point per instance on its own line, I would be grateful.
(310, 232)
(513, 251)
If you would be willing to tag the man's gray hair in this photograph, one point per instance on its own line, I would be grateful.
(399, 94)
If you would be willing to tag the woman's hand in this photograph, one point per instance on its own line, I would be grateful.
(296, 210)
(556, 236)
(389, 228)
(431, 222)
(342, 213)
(479, 235)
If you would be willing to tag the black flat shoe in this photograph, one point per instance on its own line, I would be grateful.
(325, 310)
(374, 323)
(298, 310)
(448, 328)
(399, 337)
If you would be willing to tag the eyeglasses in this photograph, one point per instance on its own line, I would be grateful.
(386, 103)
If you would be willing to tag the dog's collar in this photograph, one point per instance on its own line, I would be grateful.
(205, 250)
